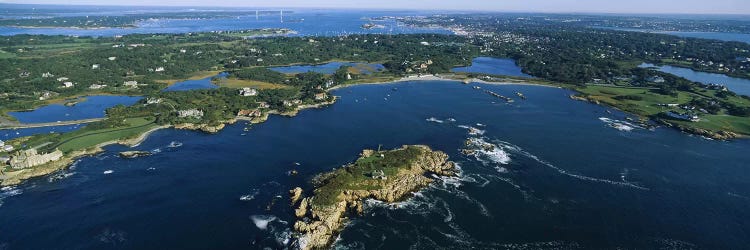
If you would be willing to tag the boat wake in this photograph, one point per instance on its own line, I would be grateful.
(498, 154)
(518, 150)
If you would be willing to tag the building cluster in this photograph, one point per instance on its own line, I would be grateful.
(190, 113)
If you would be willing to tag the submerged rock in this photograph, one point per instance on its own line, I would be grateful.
(388, 176)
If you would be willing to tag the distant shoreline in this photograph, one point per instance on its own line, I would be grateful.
(441, 78)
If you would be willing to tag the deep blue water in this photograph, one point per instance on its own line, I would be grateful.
(204, 83)
(737, 85)
(329, 68)
(495, 66)
(305, 22)
(570, 179)
(92, 107)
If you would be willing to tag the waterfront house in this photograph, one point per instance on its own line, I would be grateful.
(31, 158)
(250, 113)
(8, 148)
(683, 116)
(97, 86)
(2, 143)
(193, 113)
(248, 92)
(321, 96)
(292, 102)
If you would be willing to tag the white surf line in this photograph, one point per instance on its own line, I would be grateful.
(517, 149)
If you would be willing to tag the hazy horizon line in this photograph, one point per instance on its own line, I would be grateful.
(381, 9)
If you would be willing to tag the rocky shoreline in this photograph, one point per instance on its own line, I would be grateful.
(387, 176)
(714, 135)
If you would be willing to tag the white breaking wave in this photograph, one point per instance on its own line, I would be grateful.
(486, 152)
(9, 191)
(59, 176)
(261, 221)
(433, 119)
(174, 144)
(251, 196)
(619, 125)
(472, 130)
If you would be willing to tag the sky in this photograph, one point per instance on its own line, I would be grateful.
(585, 6)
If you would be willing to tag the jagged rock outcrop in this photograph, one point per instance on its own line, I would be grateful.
(134, 154)
(387, 176)
(202, 127)
(295, 194)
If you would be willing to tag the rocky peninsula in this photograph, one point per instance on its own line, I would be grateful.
(387, 176)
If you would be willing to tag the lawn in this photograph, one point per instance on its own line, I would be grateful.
(238, 83)
(87, 138)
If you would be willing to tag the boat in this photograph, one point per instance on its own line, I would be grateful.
(519, 94)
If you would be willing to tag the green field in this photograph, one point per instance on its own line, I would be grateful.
(89, 138)
(86, 137)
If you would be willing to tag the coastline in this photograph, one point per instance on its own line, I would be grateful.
(441, 78)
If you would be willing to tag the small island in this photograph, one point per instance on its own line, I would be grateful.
(387, 176)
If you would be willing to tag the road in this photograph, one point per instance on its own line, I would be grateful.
(47, 124)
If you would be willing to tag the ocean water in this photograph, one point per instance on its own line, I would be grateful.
(563, 174)
(91, 107)
(305, 22)
(737, 85)
(495, 66)
(329, 68)
(204, 83)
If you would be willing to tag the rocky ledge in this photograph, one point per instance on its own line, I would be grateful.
(387, 176)
(134, 154)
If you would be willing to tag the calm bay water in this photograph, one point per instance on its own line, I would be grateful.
(565, 174)
(91, 107)
(721, 36)
(737, 85)
(204, 83)
(329, 68)
(494, 66)
(305, 22)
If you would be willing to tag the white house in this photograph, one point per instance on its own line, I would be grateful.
(133, 84)
(47, 75)
(248, 92)
(62, 79)
(2, 143)
(97, 86)
(112, 58)
(194, 113)
(95, 66)
(159, 69)
(8, 148)
(67, 84)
